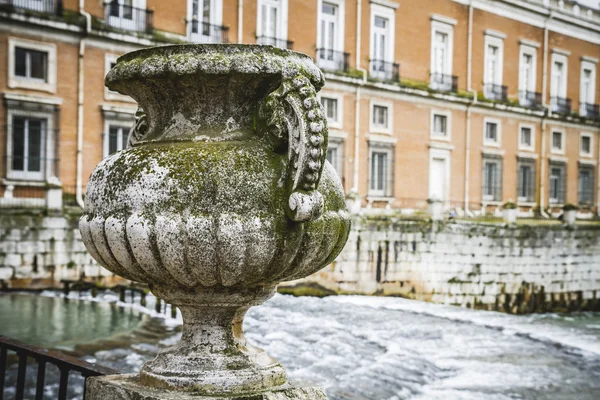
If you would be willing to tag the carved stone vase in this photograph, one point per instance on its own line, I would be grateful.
(223, 192)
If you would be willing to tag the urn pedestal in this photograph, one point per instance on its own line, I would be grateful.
(223, 192)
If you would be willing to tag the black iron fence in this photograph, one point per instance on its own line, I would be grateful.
(530, 99)
(273, 41)
(385, 70)
(560, 105)
(121, 16)
(495, 92)
(42, 357)
(333, 60)
(54, 7)
(589, 110)
(204, 32)
(443, 82)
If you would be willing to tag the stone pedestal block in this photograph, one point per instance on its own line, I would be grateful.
(127, 387)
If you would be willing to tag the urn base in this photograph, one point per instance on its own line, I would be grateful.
(128, 387)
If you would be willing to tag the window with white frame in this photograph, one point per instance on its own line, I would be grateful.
(272, 23)
(526, 137)
(442, 38)
(440, 125)
(558, 182)
(586, 184)
(330, 35)
(526, 180)
(332, 108)
(205, 18)
(335, 155)
(527, 75)
(30, 141)
(380, 170)
(587, 90)
(558, 142)
(382, 41)
(558, 83)
(585, 145)
(494, 63)
(31, 65)
(110, 60)
(491, 132)
(127, 14)
(380, 117)
(116, 131)
(492, 178)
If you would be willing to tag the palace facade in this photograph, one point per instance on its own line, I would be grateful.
(470, 102)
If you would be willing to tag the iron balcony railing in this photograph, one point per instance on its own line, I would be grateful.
(589, 110)
(333, 60)
(42, 357)
(492, 91)
(443, 82)
(273, 41)
(43, 6)
(128, 18)
(530, 99)
(204, 32)
(560, 105)
(385, 70)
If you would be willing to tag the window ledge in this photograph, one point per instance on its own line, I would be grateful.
(30, 183)
(561, 159)
(522, 154)
(54, 101)
(372, 198)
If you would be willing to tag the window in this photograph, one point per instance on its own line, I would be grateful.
(586, 185)
(587, 95)
(492, 178)
(557, 183)
(380, 118)
(205, 18)
(442, 32)
(439, 174)
(440, 125)
(332, 106)
(380, 177)
(382, 41)
(117, 124)
(558, 143)
(494, 57)
(527, 76)
(585, 145)
(31, 65)
(330, 35)
(117, 138)
(558, 83)
(127, 14)
(526, 180)
(335, 155)
(526, 137)
(491, 132)
(29, 139)
(272, 23)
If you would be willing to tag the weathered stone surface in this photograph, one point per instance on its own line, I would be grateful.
(127, 387)
(224, 192)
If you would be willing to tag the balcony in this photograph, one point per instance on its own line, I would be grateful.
(530, 99)
(385, 70)
(273, 41)
(588, 110)
(443, 82)
(492, 91)
(54, 7)
(560, 105)
(204, 32)
(128, 18)
(332, 60)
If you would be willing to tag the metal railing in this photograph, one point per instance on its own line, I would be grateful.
(385, 70)
(560, 105)
(44, 6)
(333, 60)
(589, 110)
(273, 41)
(129, 18)
(492, 91)
(530, 99)
(204, 32)
(63, 362)
(443, 82)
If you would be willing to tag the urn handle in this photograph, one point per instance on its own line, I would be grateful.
(292, 114)
(139, 130)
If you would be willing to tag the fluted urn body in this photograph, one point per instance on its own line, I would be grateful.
(223, 192)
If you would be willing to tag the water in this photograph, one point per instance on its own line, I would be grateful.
(384, 348)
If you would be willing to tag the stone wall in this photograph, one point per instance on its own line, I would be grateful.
(513, 269)
(38, 250)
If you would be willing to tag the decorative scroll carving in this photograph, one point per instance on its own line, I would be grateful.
(139, 130)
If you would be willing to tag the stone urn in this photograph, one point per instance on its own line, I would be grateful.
(223, 192)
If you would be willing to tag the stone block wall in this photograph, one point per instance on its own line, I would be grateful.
(514, 269)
